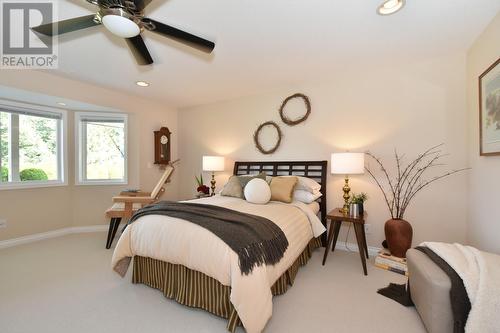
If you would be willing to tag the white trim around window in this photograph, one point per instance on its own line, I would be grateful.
(18, 108)
(81, 119)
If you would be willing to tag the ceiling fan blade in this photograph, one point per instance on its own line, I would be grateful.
(62, 27)
(141, 4)
(139, 50)
(179, 35)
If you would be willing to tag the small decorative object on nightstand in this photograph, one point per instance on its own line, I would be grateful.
(336, 218)
(202, 189)
(356, 204)
(347, 164)
(213, 164)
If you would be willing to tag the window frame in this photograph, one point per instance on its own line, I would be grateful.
(62, 146)
(80, 167)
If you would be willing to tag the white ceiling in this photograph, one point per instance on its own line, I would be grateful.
(263, 45)
(33, 98)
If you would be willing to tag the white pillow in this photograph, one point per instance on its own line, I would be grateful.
(306, 196)
(258, 191)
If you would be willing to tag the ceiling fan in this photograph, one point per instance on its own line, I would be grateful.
(125, 18)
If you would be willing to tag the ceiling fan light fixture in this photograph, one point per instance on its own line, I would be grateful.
(390, 7)
(125, 19)
(119, 23)
(142, 83)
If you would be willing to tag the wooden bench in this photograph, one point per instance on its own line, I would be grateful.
(127, 203)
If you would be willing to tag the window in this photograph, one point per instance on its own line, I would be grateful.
(102, 148)
(31, 146)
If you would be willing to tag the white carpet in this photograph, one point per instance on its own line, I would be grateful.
(66, 285)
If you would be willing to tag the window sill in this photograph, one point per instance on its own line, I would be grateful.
(101, 183)
(30, 185)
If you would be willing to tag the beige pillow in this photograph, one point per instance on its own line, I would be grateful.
(282, 188)
(233, 188)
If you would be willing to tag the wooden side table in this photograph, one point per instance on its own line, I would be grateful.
(336, 218)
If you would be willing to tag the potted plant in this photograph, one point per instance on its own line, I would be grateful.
(356, 204)
(202, 189)
(400, 189)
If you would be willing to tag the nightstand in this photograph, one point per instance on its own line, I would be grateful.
(336, 218)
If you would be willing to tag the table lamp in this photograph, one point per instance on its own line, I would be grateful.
(213, 164)
(347, 164)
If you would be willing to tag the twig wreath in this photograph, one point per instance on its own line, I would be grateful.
(289, 121)
(257, 142)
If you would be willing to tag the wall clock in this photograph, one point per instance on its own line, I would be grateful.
(162, 146)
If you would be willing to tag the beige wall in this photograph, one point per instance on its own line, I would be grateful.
(411, 108)
(30, 211)
(484, 183)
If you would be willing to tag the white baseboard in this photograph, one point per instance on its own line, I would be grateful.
(351, 247)
(52, 234)
(342, 246)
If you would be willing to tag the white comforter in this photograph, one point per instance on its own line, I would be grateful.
(480, 272)
(179, 242)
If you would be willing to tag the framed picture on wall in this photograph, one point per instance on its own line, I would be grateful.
(489, 110)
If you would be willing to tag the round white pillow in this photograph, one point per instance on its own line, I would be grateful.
(257, 191)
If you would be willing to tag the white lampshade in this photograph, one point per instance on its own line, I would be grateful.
(213, 163)
(348, 163)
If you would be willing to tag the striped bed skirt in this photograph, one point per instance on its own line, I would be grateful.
(195, 289)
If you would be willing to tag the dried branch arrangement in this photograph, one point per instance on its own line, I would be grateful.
(400, 189)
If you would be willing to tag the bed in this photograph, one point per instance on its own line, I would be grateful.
(194, 267)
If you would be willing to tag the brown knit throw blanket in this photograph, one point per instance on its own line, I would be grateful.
(255, 239)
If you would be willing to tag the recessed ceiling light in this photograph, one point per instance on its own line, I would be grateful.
(142, 83)
(390, 7)
(61, 103)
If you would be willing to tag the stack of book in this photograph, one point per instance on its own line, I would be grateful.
(385, 261)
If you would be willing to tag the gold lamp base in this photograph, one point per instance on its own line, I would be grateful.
(212, 182)
(346, 196)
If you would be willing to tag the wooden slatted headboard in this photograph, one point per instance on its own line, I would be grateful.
(316, 170)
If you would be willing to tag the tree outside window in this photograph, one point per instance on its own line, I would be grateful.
(101, 139)
(30, 147)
